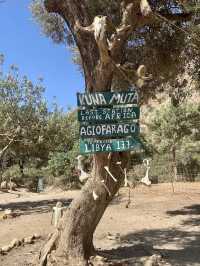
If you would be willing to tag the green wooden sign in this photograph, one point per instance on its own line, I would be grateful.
(108, 114)
(107, 98)
(112, 145)
(109, 130)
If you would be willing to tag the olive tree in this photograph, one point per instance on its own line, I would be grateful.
(117, 41)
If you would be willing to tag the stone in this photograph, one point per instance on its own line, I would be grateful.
(36, 236)
(28, 240)
(6, 249)
(15, 243)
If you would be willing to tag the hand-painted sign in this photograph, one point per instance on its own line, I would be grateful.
(112, 145)
(108, 114)
(107, 98)
(109, 130)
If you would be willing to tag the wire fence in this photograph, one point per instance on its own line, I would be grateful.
(162, 168)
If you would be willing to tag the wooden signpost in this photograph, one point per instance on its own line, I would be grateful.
(108, 121)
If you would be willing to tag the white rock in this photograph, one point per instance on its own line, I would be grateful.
(15, 243)
(36, 236)
(6, 248)
(28, 240)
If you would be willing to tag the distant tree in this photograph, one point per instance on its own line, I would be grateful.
(28, 130)
(170, 127)
(23, 113)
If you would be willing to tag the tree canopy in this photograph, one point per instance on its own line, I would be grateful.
(168, 46)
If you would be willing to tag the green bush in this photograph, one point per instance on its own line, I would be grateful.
(62, 169)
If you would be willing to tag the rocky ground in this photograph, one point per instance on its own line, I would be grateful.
(157, 222)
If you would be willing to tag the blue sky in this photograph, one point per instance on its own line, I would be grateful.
(23, 44)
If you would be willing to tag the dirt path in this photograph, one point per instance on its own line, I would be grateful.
(156, 221)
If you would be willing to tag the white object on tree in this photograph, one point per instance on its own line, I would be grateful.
(57, 213)
(108, 171)
(83, 176)
(145, 180)
(95, 196)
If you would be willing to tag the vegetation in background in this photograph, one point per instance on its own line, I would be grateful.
(172, 129)
(30, 134)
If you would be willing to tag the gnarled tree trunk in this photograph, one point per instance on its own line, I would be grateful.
(84, 214)
(73, 242)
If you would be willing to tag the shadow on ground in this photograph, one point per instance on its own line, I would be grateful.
(187, 210)
(179, 247)
(192, 210)
(30, 207)
(142, 244)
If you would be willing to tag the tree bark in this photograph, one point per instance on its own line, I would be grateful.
(75, 244)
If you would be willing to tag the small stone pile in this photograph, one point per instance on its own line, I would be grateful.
(16, 243)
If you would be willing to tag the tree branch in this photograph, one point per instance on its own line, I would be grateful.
(73, 12)
(137, 77)
(134, 14)
(100, 28)
(2, 152)
(176, 17)
(53, 6)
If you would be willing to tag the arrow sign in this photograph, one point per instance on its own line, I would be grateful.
(108, 114)
(109, 130)
(112, 145)
(107, 98)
